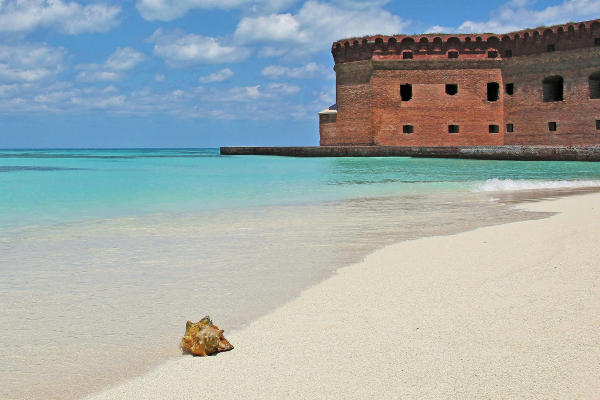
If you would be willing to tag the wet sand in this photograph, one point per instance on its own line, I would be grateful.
(509, 311)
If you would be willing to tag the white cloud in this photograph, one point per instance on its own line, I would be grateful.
(361, 4)
(121, 60)
(180, 50)
(70, 18)
(519, 14)
(8, 90)
(310, 70)
(253, 93)
(98, 76)
(220, 76)
(274, 27)
(30, 61)
(159, 78)
(112, 69)
(168, 10)
(244, 93)
(316, 25)
(124, 59)
(109, 89)
(326, 96)
(273, 101)
(284, 89)
(54, 97)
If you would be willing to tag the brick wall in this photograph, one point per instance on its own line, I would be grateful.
(575, 117)
(430, 111)
(354, 105)
(370, 72)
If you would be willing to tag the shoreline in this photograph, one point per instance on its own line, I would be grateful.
(344, 352)
(339, 233)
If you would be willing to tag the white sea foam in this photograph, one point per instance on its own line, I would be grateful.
(503, 185)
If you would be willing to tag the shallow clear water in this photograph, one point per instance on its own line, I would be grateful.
(104, 254)
(53, 186)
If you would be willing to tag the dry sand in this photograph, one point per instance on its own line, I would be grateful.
(510, 311)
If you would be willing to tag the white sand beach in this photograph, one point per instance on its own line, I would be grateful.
(504, 312)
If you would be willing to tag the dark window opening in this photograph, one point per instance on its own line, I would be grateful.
(598, 124)
(492, 54)
(508, 53)
(550, 48)
(407, 55)
(494, 128)
(453, 54)
(553, 88)
(510, 89)
(408, 129)
(597, 41)
(510, 128)
(595, 85)
(452, 128)
(406, 92)
(493, 91)
(451, 89)
(552, 126)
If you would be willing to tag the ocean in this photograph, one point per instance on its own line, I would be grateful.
(104, 254)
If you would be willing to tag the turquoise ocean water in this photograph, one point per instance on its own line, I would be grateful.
(106, 253)
(54, 186)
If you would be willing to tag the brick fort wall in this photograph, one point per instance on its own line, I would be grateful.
(532, 87)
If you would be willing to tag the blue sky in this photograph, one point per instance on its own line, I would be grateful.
(205, 73)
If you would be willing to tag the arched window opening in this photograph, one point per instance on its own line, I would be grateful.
(493, 91)
(553, 88)
(407, 55)
(392, 45)
(408, 44)
(406, 92)
(595, 85)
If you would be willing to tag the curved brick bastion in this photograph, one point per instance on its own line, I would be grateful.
(532, 87)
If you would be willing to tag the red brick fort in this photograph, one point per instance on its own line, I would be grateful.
(533, 87)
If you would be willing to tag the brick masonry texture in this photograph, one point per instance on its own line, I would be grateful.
(370, 71)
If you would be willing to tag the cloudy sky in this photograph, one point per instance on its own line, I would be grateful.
(205, 73)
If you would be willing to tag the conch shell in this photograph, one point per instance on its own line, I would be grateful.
(204, 338)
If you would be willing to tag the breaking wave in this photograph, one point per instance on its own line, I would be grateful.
(503, 185)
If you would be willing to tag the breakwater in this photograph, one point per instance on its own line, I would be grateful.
(518, 153)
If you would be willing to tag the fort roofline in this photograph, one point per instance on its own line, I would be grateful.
(456, 46)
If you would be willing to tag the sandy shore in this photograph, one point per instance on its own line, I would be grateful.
(511, 311)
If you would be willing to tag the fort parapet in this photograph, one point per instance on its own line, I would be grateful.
(532, 87)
